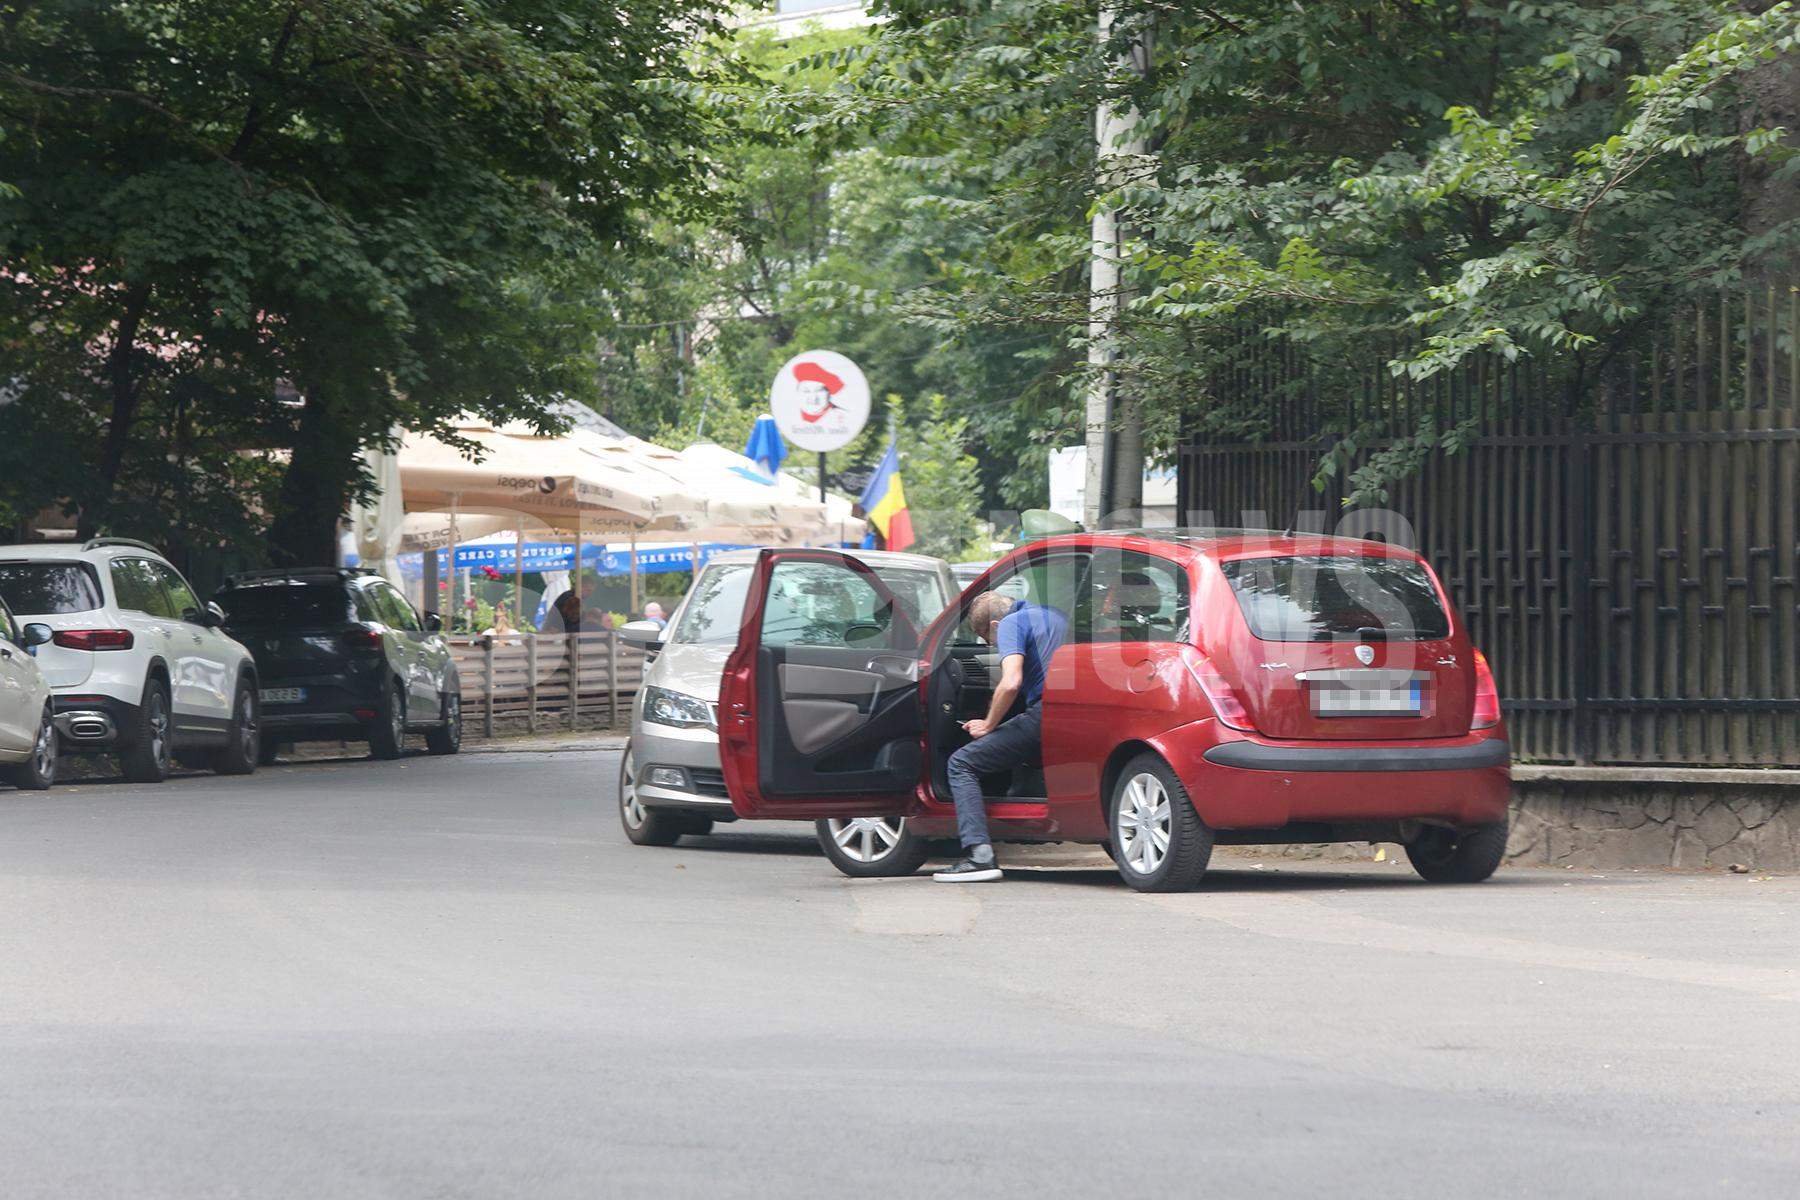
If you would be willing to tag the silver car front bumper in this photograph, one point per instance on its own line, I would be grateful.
(690, 754)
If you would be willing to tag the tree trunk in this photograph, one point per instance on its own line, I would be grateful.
(1771, 97)
(123, 389)
(315, 493)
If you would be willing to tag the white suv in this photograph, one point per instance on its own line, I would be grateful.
(137, 665)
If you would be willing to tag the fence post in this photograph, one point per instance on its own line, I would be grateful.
(612, 680)
(574, 677)
(531, 669)
(487, 718)
(1581, 595)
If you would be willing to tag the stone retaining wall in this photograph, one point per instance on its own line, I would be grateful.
(1685, 819)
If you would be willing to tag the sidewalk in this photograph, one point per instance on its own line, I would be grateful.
(543, 743)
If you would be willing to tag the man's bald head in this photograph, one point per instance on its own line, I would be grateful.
(986, 611)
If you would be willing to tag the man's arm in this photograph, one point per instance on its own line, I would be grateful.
(1012, 678)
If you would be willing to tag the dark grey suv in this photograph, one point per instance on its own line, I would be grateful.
(340, 653)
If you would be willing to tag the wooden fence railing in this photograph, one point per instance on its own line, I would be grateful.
(547, 681)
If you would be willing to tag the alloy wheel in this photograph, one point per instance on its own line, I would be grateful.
(43, 752)
(867, 839)
(398, 717)
(249, 730)
(1143, 823)
(629, 804)
(159, 729)
(453, 717)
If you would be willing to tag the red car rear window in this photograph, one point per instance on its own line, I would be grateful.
(1324, 598)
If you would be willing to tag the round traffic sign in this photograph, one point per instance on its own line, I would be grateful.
(820, 401)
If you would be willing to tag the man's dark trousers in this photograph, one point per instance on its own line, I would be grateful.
(1016, 742)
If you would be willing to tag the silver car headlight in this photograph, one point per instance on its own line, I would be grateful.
(663, 707)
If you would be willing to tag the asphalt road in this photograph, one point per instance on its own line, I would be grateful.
(454, 977)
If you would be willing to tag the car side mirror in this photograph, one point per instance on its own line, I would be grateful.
(646, 635)
(215, 616)
(35, 634)
(432, 622)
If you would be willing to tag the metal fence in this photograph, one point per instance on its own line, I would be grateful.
(1619, 528)
(540, 682)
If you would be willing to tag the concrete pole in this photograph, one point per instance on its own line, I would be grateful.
(1114, 427)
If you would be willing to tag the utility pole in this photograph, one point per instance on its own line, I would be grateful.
(1114, 426)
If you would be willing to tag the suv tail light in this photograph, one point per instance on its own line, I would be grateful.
(363, 637)
(1225, 703)
(1487, 696)
(93, 639)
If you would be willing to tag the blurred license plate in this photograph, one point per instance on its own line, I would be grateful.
(1367, 702)
(283, 695)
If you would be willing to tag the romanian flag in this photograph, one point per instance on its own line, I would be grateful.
(884, 500)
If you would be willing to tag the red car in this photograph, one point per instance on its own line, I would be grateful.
(1216, 687)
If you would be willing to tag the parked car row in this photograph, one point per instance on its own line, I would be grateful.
(106, 649)
(1216, 687)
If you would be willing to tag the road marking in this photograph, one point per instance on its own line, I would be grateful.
(1295, 918)
(914, 907)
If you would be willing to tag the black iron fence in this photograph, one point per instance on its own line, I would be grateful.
(1619, 527)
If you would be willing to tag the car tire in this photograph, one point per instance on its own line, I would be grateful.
(39, 771)
(447, 737)
(387, 737)
(872, 847)
(243, 752)
(696, 826)
(1159, 842)
(644, 826)
(1442, 855)
(146, 758)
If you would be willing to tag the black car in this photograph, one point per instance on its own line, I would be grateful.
(340, 653)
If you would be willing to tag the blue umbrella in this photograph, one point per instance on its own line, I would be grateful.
(765, 447)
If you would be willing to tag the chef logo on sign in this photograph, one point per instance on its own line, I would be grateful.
(820, 401)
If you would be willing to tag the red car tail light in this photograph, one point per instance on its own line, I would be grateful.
(1225, 703)
(1487, 696)
(93, 639)
(363, 638)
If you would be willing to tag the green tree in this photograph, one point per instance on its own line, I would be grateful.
(295, 228)
(942, 479)
(1434, 176)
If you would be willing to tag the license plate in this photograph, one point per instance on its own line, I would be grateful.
(1367, 702)
(283, 695)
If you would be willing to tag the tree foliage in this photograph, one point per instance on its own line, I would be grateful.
(1428, 179)
(294, 228)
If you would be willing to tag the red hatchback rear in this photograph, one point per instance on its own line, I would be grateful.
(1216, 687)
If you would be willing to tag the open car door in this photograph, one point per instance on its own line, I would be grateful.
(819, 710)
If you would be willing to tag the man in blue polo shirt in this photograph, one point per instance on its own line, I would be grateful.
(1026, 635)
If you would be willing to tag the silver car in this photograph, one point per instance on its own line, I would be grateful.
(670, 782)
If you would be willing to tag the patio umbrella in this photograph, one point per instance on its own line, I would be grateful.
(765, 447)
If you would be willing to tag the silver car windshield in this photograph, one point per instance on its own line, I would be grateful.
(716, 606)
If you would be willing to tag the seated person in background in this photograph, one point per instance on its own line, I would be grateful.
(1026, 635)
(654, 612)
(563, 616)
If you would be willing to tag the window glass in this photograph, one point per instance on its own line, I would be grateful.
(1317, 599)
(289, 605)
(181, 596)
(137, 588)
(1133, 597)
(1054, 580)
(821, 604)
(43, 589)
(715, 606)
(397, 612)
(9, 628)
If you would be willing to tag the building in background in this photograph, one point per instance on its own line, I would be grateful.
(793, 17)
